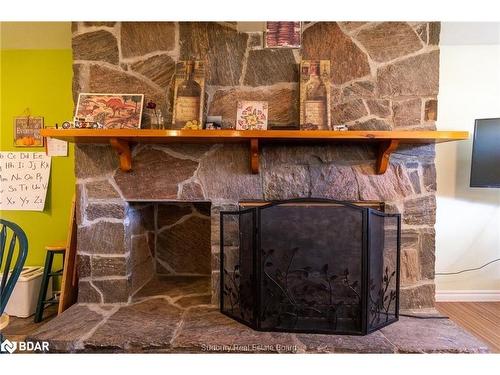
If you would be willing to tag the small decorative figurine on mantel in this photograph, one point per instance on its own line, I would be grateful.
(155, 116)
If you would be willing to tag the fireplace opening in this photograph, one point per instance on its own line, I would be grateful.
(178, 254)
(310, 265)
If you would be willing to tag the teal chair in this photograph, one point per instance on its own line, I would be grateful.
(9, 279)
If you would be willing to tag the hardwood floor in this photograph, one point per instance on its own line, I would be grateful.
(19, 328)
(482, 319)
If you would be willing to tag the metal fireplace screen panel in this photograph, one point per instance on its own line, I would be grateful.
(383, 281)
(310, 266)
(237, 265)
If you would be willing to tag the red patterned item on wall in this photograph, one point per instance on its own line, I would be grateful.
(283, 34)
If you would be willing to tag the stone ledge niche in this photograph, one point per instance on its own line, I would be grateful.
(384, 77)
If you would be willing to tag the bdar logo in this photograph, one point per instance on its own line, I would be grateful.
(8, 346)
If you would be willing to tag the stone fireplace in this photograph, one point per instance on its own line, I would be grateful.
(135, 226)
(148, 240)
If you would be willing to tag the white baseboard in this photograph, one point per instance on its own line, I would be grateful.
(468, 296)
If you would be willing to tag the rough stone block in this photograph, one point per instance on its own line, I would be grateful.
(98, 210)
(348, 111)
(191, 191)
(286, 182)
(141, 218)
(379, 107)
(389, 40)
(203, 323)
(160, 69)
(373, 343)
(415, 181)
(407, 112)
(417, 296)
(392, 185)
(427, 253)
(101, 238)
(417, 75)
(429, 175)
(64, 333)
(101, 190)
(87, 293)
(99, 45)
(270, 66)
(94, 161)
(83, 265)
(370, 124)
(326, 41)
(434, 32)
(410, 266)
(334, 181)
(431, 110)
(109, 266)
(359, 89)
(141, 38)
(412, 335)
(151, 325)
(140, 275)
(185, 247)
(421, 210)
(222, 47)
(233, 182)
(275, 154)
(169, 214)
(113, 290)
(144, 180)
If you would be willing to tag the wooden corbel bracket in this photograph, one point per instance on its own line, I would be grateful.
(254, 155)
(122, 148)
(384, 154)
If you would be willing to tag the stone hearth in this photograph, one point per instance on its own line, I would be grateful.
(179, 323)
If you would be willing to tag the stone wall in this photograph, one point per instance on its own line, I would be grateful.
(385, 76)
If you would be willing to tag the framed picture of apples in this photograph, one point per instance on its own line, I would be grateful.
(27, 131)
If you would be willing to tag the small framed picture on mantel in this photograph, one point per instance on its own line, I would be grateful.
(251, 115)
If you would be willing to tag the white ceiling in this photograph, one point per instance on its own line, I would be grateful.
(470, 33)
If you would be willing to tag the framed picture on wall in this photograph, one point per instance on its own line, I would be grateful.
(27, 131)
(112, 111)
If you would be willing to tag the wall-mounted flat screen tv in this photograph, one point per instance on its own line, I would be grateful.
(485, 169)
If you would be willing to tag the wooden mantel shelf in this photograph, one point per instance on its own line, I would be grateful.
(120, 139)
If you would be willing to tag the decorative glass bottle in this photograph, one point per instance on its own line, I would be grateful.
(188, 99)
(315, 101)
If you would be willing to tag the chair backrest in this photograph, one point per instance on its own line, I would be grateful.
(11, 269)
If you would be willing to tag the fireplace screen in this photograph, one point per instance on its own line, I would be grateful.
(319, 266)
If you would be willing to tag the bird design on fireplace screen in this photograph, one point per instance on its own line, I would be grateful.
(310, 289)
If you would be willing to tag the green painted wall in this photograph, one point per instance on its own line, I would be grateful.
(40, 80)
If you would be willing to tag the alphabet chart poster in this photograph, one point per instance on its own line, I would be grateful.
(24, 179)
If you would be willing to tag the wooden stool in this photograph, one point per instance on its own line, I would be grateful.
(47, 274)
(4, 321)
